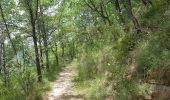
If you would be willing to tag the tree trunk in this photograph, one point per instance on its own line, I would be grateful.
(23, 56)
(33, 18)
(36, 53)
(117, 5)
(45, 40)
(46, 54)
(46, 47)
(1, 57)
(8, 33)
(56, 56)
(41, 52)
(131, 16)
(73, 50)
(4, 65)
(146, 2)
(40, 43)
(56, 53)
(62, 50)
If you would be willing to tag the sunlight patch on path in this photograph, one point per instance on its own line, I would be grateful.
(62, 88)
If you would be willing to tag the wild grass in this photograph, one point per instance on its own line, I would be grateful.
(23, 84)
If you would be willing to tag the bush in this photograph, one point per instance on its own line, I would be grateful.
(86, 67)
(97, 90)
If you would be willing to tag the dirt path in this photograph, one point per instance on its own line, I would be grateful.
(62, 88)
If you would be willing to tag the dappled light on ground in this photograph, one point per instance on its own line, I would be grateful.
(62, 88)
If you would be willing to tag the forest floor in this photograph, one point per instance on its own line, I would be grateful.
(63, 87)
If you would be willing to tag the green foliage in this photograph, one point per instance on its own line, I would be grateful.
(108, 58)
(26, 81)
(86, 67)
(154, 50)
(23, 85)
(96, 90)
(131, 90)
(54, 70)
(112, 59)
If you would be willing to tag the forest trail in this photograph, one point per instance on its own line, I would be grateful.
(62, 88)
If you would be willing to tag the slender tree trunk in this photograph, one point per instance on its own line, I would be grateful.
(4, 65)
(62, 50)
(56, 56)
(55, 53)
(23, 56)
(131, 16)
(46, 48)
(40, 43)
(118, 10)
(45, 40)
(33, 18)
(146, 2)
(1, 57)
(72, 51)
(8, 33)
(41, 56)
(41, 52)
(117, 5)
(46, 54)
(36, 53)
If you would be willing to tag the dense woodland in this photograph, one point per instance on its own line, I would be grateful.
(119, 49)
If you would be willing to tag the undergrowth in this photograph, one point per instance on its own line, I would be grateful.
(106, 72)
(23, 84)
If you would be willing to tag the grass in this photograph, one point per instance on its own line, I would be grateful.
(23, 84)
